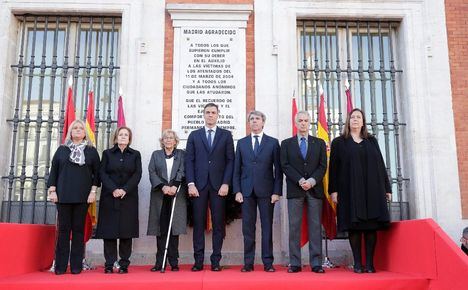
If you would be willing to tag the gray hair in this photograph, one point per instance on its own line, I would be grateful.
(296, 118)
(168, 132)
(257, 113)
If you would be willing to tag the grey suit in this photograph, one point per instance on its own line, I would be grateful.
(158, 177)
(296, 168)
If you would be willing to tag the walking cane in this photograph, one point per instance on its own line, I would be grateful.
(163, 269)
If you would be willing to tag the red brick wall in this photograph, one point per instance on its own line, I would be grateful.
(456, 12)
(168, 58)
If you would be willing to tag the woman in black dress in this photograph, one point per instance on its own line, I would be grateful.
(118, 207)
(166, 173)
(73, 179)
(359, 185)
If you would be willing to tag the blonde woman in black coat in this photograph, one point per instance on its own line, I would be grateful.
(359, 185)
(118, 206)
(73, 179)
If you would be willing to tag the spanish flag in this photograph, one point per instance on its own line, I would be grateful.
(91, 217)
(329, 208)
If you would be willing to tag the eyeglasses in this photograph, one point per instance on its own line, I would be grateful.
(168, 138)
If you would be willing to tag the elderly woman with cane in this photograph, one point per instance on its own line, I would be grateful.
(73, 179)
(166, 173)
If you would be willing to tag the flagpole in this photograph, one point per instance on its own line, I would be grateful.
(323, 133)
(327, 263)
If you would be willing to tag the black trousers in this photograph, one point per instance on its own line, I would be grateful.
(173, 247)
(249, 219)
(110, 252)
(71, 221)
(217, 207)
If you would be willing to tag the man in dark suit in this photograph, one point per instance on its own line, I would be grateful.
(209, 162)
(257, 181)
(304, 162)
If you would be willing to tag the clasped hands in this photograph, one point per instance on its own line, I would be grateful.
(305, 184)
(119, 193)
(169, 190)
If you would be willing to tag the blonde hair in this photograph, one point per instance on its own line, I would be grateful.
(167, 132)
(69, 132)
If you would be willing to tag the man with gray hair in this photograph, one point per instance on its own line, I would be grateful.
(257, 182)
(304, 162)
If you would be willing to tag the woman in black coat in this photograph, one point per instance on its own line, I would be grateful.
(359, 185)
(166, 173)
(118, 206)
(73, 179)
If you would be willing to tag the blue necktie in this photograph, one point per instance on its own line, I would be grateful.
(210, 138)
(303, 147)
(256, 145)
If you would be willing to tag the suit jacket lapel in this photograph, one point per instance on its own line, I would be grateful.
(249, 145)
(216, 138)
(175, 165)
(310, 144)
(202, 133)
(262, 144)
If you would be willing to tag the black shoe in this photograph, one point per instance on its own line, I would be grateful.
(358, 269)
(58, 272)
(294, 269)
(156, 268)
(216, 268)
(197, 268)
(247, 268)
(269, 268)
(123, 270)
(370, 269)
(108, 270)
(318, 269)
(175, 268)
(76, 272)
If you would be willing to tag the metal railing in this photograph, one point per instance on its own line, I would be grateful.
(50, 49)
(361, 53)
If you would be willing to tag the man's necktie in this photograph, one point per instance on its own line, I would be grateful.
(303, 147)
(210, 138)
(256, 145)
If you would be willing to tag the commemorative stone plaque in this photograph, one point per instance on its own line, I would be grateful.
(209, 67)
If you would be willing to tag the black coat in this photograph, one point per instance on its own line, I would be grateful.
(359, 202)
(295, 167)
(118, 217)
(73, 182)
